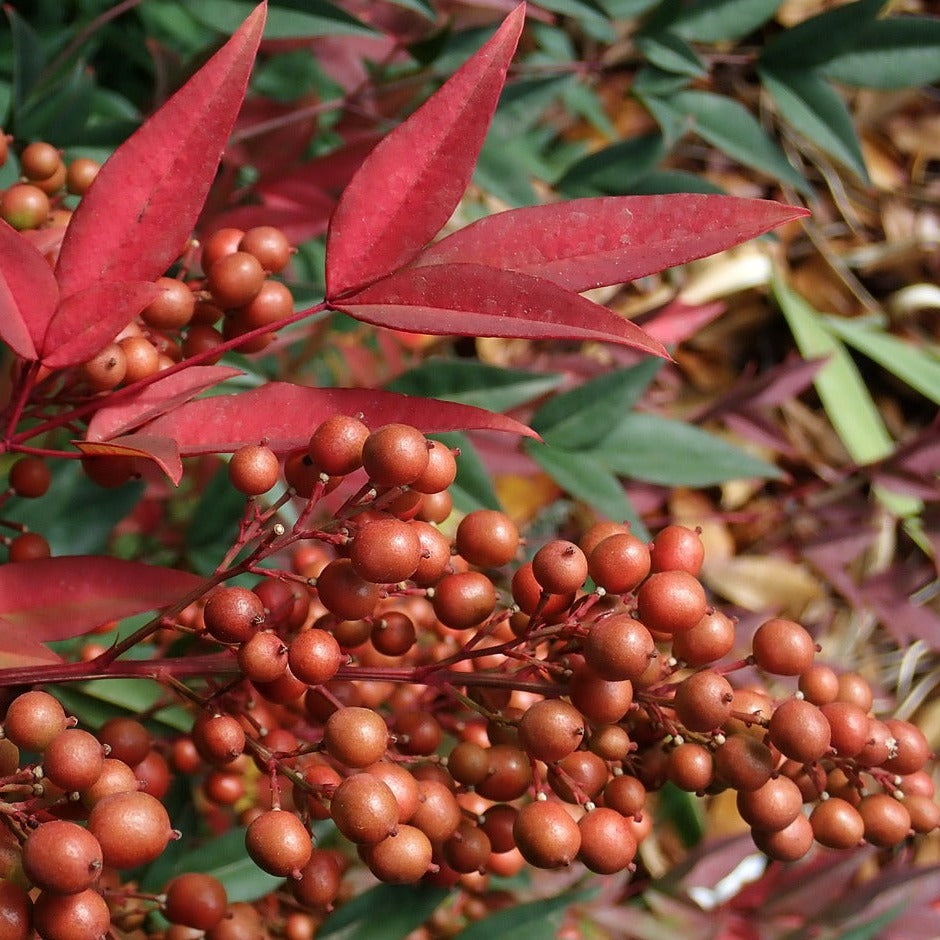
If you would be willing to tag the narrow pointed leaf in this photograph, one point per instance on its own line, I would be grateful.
(594, 242)
(59, 598)
(672, 453)
(91, 318)
(726, 124)
(409, 185)
(156, 399)
(813, 107)
(717, 20)
(615, 168)
(473, 300)
(286, 415)
(161, 450)
(28, 294)
(19, 648)
(145, 200)
(585, 477)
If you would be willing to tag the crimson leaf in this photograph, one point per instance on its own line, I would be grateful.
(134, 219)
(473, 300)
(408, 186)
(28, 294)
(58, 598)
(286, 415)
(587, 243)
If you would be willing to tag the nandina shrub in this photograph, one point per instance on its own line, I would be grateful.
(311, 757)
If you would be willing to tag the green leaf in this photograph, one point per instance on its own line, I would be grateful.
(224, 858)
(219, 510)
(473, 488)
(76, 516)
(536, 920)
(58, 114)
(913, 365)
(626, 9)
(813, 108)
(614, 169)
(585, 477)
(672, 123)
(29, 57)
(582, 99)
(672, 453)
(718, 20)
(288, 19)
(672, 54)
(673, 181)
(591, 17)
(684, 811)
(729, 126)
(586, 414)
(820, 38)
(653, 82)
(98, 700)
(875, 927)
(900, 52)
(474, 383)
(842, 390)
(385, 912)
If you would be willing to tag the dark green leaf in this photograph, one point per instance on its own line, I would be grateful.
(76, 516)
(673, 181)
(582, 99)
(537, 920)
(672, 123)
(94, 702)
(900, 52)
(288, 19)
(682, 810)
(626, 9)
(58, 114)
(729, 126)
(29, 57)
(812, 107)
(672, 54)
(219, 510)
(473, 488)
(718, 20)
(614, 169)
(653, 82)
(592, 19)
(673, 453)
(820, 38)
(504, 169)
(585, 477)
(473, 383)
(386, 912)
(586, 414)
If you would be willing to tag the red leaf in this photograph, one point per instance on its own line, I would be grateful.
(678, 321)
(286, 415)
(161, 450)
(135, 218)
(58, 598)
(472, 300)
(587, 243)
(154, 400)
(28, 294)
(409, 185)
(18, 648)
(91, 318)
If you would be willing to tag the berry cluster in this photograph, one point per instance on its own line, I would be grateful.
(453, 712)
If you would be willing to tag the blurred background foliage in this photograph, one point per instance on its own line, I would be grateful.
(797, 424)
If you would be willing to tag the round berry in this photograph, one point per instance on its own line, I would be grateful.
(799, 730)
(364, 809)
(269, 245)
(234, 279)
(106, 370)
(344, 593)
(402, 858)
(487, 538)
(30, 477)
(607, 842)
(560, 567)
(81, 916)
(551, 730)
(172, 308)
(677, 548)
(671, 601)
(195, 900)
(233, 614)
(783, 647)
(80, 174)
(62, 857)
(385, 551)
(619, 563)
(278, 843)
(355, 736)
(546, 835)
(336, 445)
(464, 599)
(73, 760)
(619, 647)
(132, 828)
(34, 720)
(254, 469)
(24, 206)
(314, 656)
(395, 455)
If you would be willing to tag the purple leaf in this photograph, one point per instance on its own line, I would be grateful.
(408, 186)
